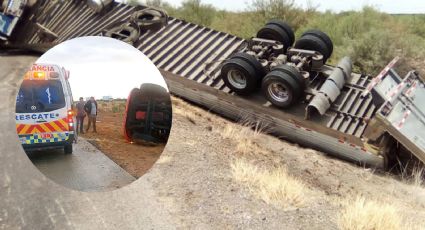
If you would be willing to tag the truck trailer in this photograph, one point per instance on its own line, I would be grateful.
(274, 79)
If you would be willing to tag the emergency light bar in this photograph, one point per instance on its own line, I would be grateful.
(41, 75)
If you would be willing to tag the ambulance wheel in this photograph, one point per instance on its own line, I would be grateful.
(281, 89)
(68, 149)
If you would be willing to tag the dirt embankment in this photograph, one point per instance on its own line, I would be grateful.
(218, 173)
(134, 158)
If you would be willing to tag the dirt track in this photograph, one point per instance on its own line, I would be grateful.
(134, 158)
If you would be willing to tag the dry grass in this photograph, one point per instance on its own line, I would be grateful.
(191, 113)
(246, 135)
(188, 114)
(413, 175)
(361, 214)
(274, 186)
(112, 106)
(418, 177)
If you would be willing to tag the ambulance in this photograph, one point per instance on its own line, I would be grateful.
(44, 109)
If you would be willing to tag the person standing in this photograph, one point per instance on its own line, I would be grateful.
(91, 109)
(80, 115)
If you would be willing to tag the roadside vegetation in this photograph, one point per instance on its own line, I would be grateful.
(371, 38)
(273, 186)
(359, 213)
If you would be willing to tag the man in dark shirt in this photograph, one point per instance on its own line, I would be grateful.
(91, 109)
(80, 115)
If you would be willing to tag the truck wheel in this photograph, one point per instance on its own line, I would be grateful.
(126, 33)
(259, 69)
(310, 42)
(285, 26)
(68, 149)
(280, 89)
(276, 33)
(149, 19)
(323, 36)
(294, 73)
(240, 76)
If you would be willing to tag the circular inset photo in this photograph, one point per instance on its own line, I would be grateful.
(93, 114)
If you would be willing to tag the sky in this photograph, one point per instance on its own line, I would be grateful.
(101, 66)
(388, 6)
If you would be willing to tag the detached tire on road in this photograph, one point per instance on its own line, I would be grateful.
(240, 76)
(68, 149)
(281, 88)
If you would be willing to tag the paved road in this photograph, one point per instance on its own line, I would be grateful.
(29, 201)
(87, 169)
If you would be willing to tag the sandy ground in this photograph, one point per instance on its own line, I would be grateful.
(136, 159)
(194, 178)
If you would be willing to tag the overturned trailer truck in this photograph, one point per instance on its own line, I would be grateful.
(272, 78)
(148, 114)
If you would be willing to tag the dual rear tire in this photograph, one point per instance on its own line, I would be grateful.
(278, 31)
(283, 86)
(316, 40)
(243, 74)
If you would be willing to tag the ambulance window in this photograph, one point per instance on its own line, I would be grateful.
(45, 95)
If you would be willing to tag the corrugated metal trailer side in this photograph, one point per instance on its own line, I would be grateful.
(181, 50)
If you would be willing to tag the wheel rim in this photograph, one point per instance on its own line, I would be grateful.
(237, 79)
(278, 92)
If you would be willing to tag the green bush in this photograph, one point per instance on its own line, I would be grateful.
(371, 38)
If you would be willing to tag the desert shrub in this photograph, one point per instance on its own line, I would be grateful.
(286, 10)
(195, 11)
(371, 38)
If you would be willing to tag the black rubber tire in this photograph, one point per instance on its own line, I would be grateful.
(67, 149)
(132, 33)
(293, 88)
(294, 73)
(285, 26)
(276, 33)
(149, 19)
(153, 92)
(244, 67)
(310, 42)
(259, 69)
(323, 36)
